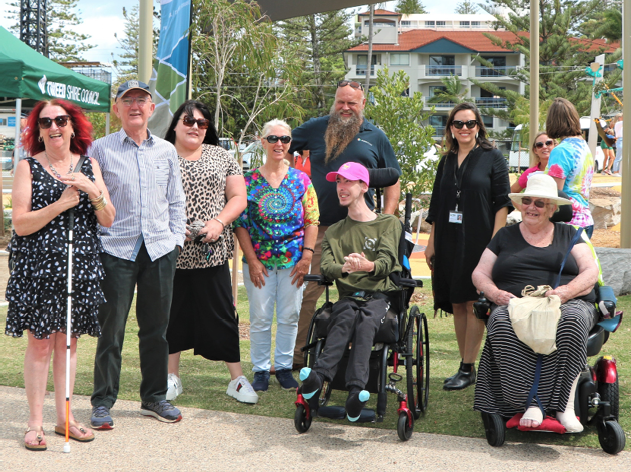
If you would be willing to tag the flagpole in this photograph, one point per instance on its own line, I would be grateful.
(145, 40)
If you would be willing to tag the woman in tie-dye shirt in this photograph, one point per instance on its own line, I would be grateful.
(571, 163)
(277, 232)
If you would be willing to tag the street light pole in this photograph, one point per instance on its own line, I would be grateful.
(145, 40)
(534, 74)
(625, 225)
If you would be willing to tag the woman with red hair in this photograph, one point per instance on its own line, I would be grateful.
(45, 187)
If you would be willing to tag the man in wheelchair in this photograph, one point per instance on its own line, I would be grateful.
(359, 253)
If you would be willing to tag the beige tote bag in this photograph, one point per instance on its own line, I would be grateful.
(535, 318)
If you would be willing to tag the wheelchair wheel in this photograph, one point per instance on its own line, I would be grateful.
(301, 422)
(417, 362)
(494, 428)
(611, 437)
(310, 355)
(610, 393)
(405, 430)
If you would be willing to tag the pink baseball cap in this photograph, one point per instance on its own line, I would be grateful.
(350, 171)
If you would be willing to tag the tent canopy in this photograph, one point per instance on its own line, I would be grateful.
(27, 74)
(282, 9)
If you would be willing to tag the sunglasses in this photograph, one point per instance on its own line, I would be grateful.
(352, 83)
(538, 203)
(60, 121)
(273, 139)
(189, 121)
(469, 124)
(540, 144)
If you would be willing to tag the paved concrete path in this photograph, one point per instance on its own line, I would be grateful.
(217, 441)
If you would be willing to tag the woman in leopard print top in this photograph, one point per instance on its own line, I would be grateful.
(203, 316)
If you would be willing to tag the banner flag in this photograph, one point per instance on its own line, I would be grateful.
(170, 67)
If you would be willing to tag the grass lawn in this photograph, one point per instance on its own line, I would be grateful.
(205, 382)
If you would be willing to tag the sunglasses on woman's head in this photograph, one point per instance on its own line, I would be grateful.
(540, 144)
(273, 139)
(538, 203)
(352, 83)
(189, 121)
(469, 124)
(60, 121)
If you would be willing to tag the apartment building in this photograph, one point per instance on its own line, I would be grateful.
(430, 47)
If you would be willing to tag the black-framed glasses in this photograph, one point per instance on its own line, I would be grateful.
(540, 144)
(189, 122)
(469, 124)
(538, 203)
(60, 121)
(273, 139)
(352, 83)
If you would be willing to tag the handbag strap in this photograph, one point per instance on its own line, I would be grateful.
(80, 163)
(569, 249)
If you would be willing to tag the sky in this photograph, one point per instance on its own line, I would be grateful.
(101, 19)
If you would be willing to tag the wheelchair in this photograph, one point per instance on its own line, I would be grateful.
(401, 343)
(597, 393)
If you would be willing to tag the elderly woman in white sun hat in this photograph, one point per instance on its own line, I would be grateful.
(530, 253)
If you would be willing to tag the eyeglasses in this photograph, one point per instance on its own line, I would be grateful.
(469, 124)
(540, 144)
(352, 83)
(273, 139)
(538, 203)
(189, 121)
(60, 121)
(139, 100)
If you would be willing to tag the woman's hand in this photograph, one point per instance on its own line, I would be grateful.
(213, 230)
(561, 292)
(69, 198)
(503, 297)
(429, 250)
(81, 181)
(258, 272)
(299, 271)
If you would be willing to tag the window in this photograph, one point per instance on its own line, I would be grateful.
(497, 61)
(488, 121)
(397, 59)
(440, 23)
(443, 65)
(438, 121)
(475, 24)
(436, 89)
(442, 60)
(406, 23)
(464, 24)
(430, 23)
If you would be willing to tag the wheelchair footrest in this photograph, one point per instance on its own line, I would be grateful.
(339, 413)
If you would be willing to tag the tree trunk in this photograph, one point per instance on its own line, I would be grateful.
(369, 64)
(317, 67)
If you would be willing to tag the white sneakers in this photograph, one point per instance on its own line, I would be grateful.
(241, 390)
(174, 387)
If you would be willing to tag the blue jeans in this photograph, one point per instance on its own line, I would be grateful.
(618, 160)
(278, 291)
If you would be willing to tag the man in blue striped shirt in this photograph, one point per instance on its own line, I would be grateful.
(142, 173)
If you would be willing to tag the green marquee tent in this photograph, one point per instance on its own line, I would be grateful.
(26, 74)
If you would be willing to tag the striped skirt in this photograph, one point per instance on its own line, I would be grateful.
(507, 366)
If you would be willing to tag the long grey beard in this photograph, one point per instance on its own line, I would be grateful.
(339, 134)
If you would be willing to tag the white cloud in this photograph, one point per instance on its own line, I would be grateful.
(101, 30)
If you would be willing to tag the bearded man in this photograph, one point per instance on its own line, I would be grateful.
(342, 136)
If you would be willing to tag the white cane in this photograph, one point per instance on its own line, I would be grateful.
(69, 326)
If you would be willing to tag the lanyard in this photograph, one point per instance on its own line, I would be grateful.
(458, 178)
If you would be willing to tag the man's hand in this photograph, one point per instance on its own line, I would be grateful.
(357, 263)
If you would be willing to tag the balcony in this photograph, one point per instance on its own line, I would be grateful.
(443, 71)
(500, 71)
(429, 104)
(491, 102)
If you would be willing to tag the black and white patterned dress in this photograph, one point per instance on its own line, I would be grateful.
(37, 288)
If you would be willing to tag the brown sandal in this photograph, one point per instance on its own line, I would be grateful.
(39, 438)
(61, 430)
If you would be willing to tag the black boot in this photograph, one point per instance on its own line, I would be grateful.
(449, 379)
(466, 376)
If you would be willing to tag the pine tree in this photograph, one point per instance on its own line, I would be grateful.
(410, 7)
(64, 44)
(466, 8)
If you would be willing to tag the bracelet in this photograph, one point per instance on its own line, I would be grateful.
(99, 202)
(222, 223)
(308, 249)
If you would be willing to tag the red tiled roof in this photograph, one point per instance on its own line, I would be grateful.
(413, 39)
(381, 13)
(596, 44)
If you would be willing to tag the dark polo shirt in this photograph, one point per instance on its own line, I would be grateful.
(370, 148)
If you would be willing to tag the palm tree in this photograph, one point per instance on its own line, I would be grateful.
(452, 93)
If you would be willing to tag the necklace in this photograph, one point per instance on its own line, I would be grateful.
(52, 168)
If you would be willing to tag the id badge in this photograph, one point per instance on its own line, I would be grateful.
(455, 217)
